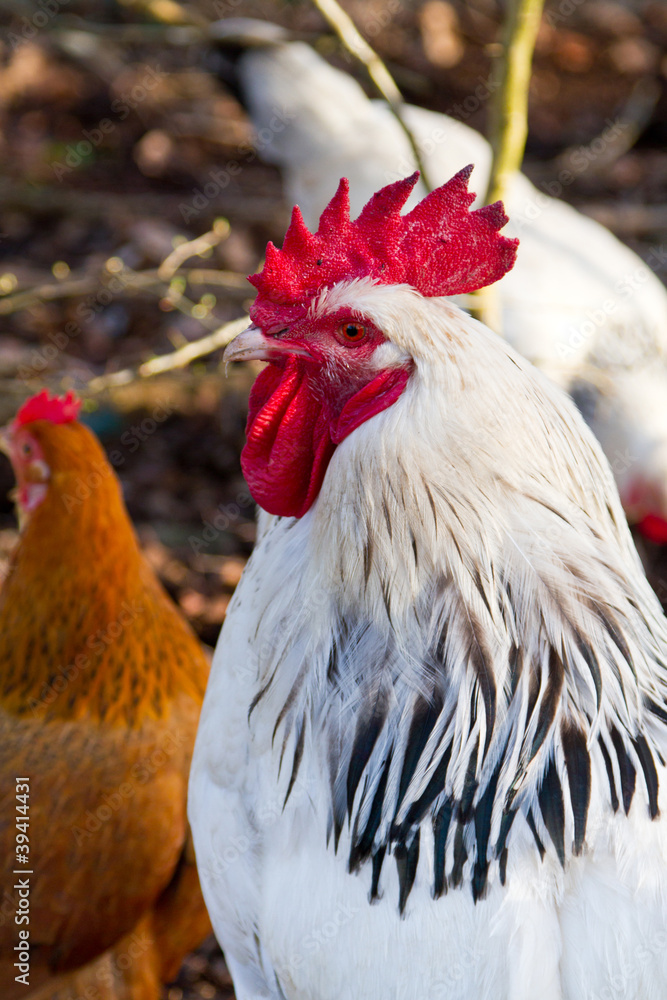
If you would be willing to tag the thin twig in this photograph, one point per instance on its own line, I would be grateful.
(177, 359)
(232, 281)
(193, 248)
(47, 292)
(356, 44)
(509, 113)
(172, 292)
(134, 282)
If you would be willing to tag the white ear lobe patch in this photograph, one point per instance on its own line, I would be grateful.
(388, 355)
(40, 471)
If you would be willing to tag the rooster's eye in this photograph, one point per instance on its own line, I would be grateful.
(352, 333)
(26, 449)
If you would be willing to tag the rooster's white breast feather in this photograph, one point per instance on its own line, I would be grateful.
(431, 758)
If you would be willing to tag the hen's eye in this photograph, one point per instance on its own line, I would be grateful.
(26, 449)
(352, 333)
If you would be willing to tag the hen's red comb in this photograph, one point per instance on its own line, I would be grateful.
(57, 409)
(440, 248)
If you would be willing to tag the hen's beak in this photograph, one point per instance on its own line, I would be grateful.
(253, 345)
(4, 440)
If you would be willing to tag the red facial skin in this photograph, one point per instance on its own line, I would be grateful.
(653, 527)
(303, 407)
(643, 502)
(32, 473)
(319, 386)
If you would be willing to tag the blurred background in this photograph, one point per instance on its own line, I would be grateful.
(122, 140)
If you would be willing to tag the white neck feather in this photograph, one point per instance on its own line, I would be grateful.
(467, 552)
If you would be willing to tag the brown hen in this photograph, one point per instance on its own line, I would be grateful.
(101, 684)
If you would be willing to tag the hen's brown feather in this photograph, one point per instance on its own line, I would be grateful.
(101, 683)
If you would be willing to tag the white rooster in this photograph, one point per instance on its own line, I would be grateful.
(579, 304)
(430, 763)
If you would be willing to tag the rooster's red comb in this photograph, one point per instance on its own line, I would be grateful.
(56, 409)
(440, 248)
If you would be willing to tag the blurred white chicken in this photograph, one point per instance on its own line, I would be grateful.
(579, 304)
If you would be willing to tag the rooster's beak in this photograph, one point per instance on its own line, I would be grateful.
(253, 345)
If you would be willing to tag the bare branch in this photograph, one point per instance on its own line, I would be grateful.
(509, 121)
(177, 359)
(134, 282)
(193, 248)
(509, 112)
